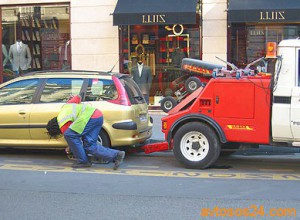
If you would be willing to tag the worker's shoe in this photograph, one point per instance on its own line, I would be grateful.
(119, 159)
(81, 165)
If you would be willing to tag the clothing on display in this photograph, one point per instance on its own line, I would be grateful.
(20, 57)
(142, 76)
(65, 56)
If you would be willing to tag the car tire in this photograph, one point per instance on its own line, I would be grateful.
(196, 145)
(104, 139)
(168, 103)
(192, 84)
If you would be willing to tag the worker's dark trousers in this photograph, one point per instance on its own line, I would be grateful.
(87, 142)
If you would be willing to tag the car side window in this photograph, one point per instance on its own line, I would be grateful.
(100, 89)
(20, 92)
(60, 89)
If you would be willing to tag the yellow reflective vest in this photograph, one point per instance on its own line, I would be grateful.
(79, 114)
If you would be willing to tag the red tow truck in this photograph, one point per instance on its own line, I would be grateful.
(239, 106)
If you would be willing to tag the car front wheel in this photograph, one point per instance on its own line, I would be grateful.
(196, 145)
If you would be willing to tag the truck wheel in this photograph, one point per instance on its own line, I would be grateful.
(192, 84)
(196, 145)
(168, 103)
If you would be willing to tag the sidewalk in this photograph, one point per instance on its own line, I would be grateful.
(156, 110)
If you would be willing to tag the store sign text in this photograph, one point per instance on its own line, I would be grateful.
(257, 33)
(272, 15)
(153, 19)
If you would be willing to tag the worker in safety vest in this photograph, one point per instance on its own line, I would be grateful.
(80, 125)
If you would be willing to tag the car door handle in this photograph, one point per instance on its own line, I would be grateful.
(22, 112)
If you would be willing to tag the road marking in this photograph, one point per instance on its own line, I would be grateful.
(276, 170)
(157, 173)
(149, 167)
(17, 161)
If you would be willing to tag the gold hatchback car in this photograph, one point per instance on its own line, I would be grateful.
(28, 102)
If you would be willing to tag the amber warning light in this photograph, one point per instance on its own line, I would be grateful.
(271, 50)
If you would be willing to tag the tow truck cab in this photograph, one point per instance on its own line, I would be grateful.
(258, 109)
(286, 93)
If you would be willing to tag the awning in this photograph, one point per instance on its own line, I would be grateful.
(263, 11)
(155, 12)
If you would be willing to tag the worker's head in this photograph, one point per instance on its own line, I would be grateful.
(53, 128)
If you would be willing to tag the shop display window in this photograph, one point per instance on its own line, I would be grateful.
(161, 47)
(35, 38)
(248, 42)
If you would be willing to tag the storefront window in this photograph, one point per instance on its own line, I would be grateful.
(248, 43)
(35, 38)
(161, 48)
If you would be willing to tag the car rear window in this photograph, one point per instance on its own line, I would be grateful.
(134, 93)
(101, 90)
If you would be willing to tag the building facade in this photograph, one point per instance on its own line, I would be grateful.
(115, 35)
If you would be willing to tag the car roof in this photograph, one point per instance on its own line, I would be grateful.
(68, 74)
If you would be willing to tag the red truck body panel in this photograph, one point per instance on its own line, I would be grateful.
(240, 107)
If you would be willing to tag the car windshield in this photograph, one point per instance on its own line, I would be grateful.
(134, 93)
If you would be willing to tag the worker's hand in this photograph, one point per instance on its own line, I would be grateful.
(67, 150)
(74, 99)
(70, 97)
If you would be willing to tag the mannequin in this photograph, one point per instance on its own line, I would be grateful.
(65, 56)
(20, 57)
(5, 55)
(177, 55)
(143, 77)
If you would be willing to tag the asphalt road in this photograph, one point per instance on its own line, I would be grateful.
(254, 184)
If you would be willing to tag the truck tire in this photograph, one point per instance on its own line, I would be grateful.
(192, 84)
(168, 103)
(196, 145)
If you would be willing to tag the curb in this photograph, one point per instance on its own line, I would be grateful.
(157, 112)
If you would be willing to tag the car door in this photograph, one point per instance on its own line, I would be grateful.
(54, 94)
(15, 105)
(295, 100)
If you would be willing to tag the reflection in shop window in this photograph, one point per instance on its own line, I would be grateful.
(60, 90)
(161, 48)
(249, 42)
(35, 38)
(20, 92)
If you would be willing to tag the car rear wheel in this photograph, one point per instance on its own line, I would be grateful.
(168, 103)
(192, 84)
(103, 139)
(196, 145)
